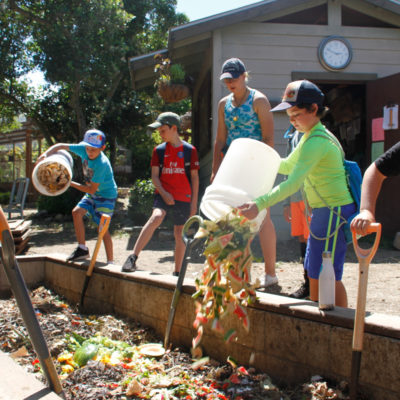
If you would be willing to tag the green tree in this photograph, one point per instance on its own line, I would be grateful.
(14, 62)
(82, 46)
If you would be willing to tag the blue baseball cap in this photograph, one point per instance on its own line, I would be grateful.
(232, 69)
(94, 138)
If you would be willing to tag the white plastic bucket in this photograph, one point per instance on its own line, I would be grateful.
(63, 159)
(247, 171)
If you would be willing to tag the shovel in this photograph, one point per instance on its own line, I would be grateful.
(364, 258)
(189, 242)
(25, 306)
(103, 227)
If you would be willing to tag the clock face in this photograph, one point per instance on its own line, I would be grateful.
(335, 53)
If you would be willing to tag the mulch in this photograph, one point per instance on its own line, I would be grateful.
(175, 375)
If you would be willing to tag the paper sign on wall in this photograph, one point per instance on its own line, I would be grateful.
(378, 133)
(391, 117)
(377, 149)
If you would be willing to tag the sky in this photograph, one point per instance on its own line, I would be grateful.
(196, 9)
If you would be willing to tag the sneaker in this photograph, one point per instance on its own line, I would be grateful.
(301, 293)
(269, 281)
(78, 254)
(175, 273)
(130, 264)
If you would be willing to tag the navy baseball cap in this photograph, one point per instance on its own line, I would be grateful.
(232, 69)
(94, 138)
(300, 92)
(166, 118)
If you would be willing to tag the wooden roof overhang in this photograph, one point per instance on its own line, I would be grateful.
(188, 43)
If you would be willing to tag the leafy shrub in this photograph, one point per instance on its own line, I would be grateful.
(62, 204)
(141, 201)
(5, 198)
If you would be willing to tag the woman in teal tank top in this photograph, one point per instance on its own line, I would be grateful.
(244, 113)
(242, 121)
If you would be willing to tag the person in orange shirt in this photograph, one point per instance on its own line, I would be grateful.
(295, 214)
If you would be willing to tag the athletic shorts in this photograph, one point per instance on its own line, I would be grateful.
(178, 213)
(299, 226)
(95, 206)
(315, 248)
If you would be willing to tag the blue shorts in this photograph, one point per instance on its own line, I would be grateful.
(95, 206)
(315, 248)
(179, 212)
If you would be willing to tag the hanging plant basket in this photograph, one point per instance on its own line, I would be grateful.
(173, 92)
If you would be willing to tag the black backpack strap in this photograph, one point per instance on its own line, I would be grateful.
(187, 155)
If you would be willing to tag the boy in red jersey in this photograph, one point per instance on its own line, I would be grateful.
(175, 194)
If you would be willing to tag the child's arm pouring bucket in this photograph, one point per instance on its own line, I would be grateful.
(249, 210)
(52, 150)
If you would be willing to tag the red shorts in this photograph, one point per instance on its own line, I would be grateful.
(299, 225)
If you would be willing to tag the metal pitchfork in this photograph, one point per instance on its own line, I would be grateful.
(189, 242)
(25, 306)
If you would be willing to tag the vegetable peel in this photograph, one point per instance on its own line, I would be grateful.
(224, 287)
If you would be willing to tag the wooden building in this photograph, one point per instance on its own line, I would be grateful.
(284, 40)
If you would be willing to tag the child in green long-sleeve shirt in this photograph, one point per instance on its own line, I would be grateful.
(317, 164)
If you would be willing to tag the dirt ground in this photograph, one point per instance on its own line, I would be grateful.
(383, 281)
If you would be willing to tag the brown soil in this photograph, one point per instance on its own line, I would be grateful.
(384, 273)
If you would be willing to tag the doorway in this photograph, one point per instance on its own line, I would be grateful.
(346, 118)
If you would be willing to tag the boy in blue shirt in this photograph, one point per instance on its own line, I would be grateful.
(99, 186)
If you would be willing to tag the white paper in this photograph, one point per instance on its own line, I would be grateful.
(391, 117)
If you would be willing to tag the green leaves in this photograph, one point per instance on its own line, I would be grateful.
(82, 47)
(141, 200)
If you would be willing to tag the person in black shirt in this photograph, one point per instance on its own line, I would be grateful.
(388, 164)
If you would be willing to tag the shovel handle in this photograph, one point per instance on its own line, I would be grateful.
(8, 247)
(3, 222)
(365, 256)
(103, 228)
(25, 306)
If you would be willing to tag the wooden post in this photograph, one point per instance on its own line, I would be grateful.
(28, 153)
(13, 168)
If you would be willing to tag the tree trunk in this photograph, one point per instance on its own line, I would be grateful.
(76, 106)
(113, 150)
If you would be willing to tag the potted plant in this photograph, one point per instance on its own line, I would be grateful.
(170, 82)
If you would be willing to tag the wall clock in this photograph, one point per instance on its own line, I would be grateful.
(334, 53)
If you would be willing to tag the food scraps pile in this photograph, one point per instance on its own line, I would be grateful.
(103, 357)
(53, 176)
(224, 287)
